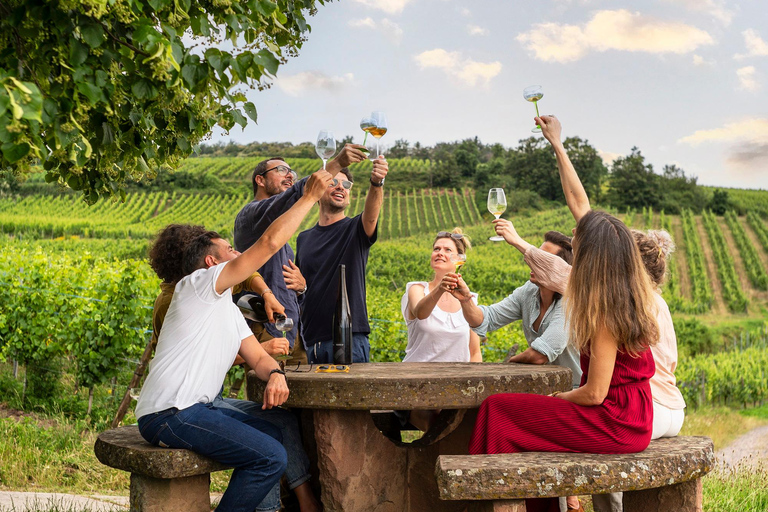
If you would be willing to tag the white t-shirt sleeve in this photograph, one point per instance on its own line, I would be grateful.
(243, 329)
(204, 283)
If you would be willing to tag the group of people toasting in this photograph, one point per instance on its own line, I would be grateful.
(592, 304)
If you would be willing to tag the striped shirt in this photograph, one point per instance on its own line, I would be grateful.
(550, 340)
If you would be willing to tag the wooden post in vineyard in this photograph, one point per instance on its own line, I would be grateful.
(15, 369)
(137, 375)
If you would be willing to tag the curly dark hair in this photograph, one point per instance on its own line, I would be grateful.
(562, 241)
(166, 252)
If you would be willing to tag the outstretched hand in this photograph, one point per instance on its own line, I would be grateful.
(350, 154)
(550, 128)
(317, 184)
(455, 285)
(380, 169)
(506, 229)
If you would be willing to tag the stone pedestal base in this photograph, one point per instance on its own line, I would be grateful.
(497, 506)
(684, 497)
(190, 494)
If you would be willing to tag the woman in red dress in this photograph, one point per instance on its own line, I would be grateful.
(611, 312)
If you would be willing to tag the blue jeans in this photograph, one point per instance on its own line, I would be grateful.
(250, 445)
(322, 352)
(297, 471)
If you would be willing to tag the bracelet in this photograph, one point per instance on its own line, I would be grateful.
(277, 370)
(266, 291)
(556, 393)
(302, 292)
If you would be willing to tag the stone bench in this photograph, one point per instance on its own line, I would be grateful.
(162, 479)
(664, 477)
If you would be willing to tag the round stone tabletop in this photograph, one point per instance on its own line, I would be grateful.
(375, 386)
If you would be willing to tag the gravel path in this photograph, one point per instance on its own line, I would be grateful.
(750, 449)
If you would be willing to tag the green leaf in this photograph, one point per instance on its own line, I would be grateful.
(159, 5)
(239, 118)
(4, 101)
(266, 59)
(266, 7)
(90, 91)
(143, 89)
(15, 152)
(250, 109)
(78, 52)
(93, 34)
(217, 59)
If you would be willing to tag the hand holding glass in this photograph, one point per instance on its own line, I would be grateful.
(534, 94)
(284, 325)
(458, 261)
(325, 145)
(497, 204)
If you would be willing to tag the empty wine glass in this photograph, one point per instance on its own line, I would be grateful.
(458, 261)
(533, 94)
(284, 325)
(325, 145)
(380, 127)
(497, 204)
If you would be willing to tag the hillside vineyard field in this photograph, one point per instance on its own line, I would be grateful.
(88, 265)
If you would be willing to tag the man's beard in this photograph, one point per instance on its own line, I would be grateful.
(274, 190)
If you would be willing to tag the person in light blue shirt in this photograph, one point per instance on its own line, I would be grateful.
(540, 310)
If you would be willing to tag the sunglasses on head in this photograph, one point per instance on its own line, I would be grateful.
(445, 234)
(282, 170)
(344, 183)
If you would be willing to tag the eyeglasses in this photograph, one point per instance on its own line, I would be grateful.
(344, 183)
(445, 234)
(282, 170)
(332, 368)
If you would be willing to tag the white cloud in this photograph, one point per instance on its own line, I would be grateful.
(612, 30)
(388, 6)
(365, 22)
(475, 30)
(753, 130)
(698, 60)
(715, 8)
(608, 157)
(756, 47)
(465, 12)
(468, 71)
(388, 28)
(747, 78)
(296, 85)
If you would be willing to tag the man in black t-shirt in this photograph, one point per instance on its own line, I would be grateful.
(337, 239)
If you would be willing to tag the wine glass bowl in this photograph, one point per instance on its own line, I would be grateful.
(366, 124)
(325, 147)
(497, 204)
(533, 94)
(380, 127)
(458, 261)
(284, 325)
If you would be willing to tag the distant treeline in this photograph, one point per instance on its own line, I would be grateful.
(528, 172)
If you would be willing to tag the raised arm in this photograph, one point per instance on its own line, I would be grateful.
(575, 195)
(276, 235)
(420, 303)
(375, 196)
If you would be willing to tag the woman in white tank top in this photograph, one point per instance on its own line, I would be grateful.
(437, 330)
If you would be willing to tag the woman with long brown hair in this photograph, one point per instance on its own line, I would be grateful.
(611, 312)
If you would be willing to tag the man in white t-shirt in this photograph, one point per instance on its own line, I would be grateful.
(202, 333)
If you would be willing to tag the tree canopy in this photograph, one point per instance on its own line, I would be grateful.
(102, 90)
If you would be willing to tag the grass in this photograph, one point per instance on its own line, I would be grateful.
(58, 505)
(722, 424)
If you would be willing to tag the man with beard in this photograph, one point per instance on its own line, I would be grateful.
(339, 240)
(275, 190)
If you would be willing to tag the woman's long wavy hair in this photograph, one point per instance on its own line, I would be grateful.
(609, 286)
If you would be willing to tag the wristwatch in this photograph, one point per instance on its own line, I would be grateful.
(379, 184)
(302, 292)
(277, 370)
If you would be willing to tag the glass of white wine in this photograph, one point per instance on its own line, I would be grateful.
(135, 392)
(325, 145)
(284, 325)
(366, 124)
(380, 127)
(458, 261)
(497, 204)
(533, 94)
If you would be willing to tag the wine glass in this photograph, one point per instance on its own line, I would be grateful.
(380, 127)
(134, 392)
(366, 124)
(325, 146)
(534, 93)
(497, 203)
(458, 261)
(284, 325)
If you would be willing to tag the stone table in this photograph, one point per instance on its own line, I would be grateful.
(360, 468)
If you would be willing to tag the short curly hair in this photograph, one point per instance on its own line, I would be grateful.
(167, 250)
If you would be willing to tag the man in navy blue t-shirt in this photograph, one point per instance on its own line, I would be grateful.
(337, 239)
(275, 190)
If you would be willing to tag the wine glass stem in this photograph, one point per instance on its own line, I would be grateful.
(536, 104)
(324, 160)
(365, 138)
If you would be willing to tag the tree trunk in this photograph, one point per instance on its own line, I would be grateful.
(234, 389)
(114, 388)
(15, 369)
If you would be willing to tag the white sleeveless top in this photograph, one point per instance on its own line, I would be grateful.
(441, 337)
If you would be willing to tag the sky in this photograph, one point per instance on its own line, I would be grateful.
(686, 81)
